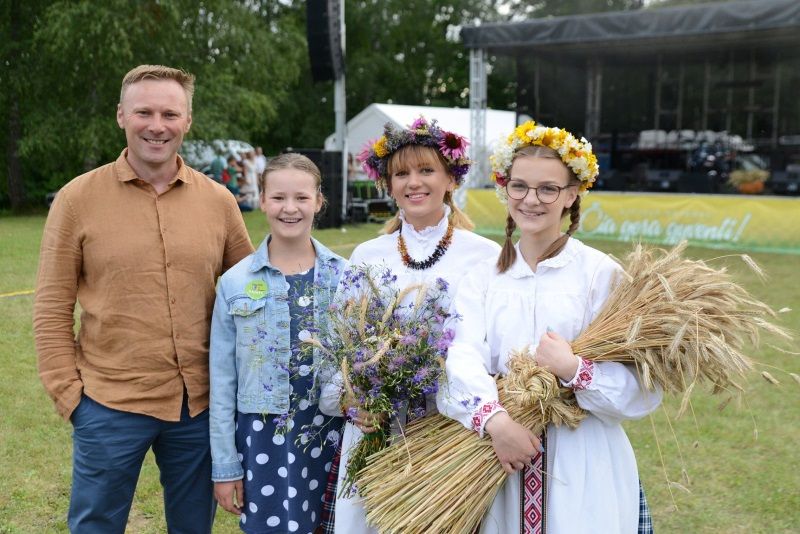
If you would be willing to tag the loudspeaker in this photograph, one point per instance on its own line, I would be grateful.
(696, 182)
(330, 167)
(324, 39)
(610, 180)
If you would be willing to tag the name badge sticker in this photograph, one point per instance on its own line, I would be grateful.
(256, 289)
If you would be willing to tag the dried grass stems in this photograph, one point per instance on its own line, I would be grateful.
(442, 464)
(679, 321)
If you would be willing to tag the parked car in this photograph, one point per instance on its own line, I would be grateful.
(199, 154)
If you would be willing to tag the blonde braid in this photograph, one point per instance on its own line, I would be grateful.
(509, 254)
(559, 244)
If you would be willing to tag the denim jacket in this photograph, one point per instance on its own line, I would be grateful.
(250, 345)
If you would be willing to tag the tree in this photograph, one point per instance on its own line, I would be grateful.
(17, 22)
(242, 56)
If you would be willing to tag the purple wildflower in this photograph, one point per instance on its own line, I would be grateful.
(281, 421)
(441, 284)
(419, 124)
(445, 340)
(420, 375)
(409, 339)
(431, 389)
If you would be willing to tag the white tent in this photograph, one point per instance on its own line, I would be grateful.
(368, 125)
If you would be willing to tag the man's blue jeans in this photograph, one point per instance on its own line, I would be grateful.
(109, 447)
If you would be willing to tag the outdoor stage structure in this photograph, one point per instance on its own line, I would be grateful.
(655, 89)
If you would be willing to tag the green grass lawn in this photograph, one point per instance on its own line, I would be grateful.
(740, 464)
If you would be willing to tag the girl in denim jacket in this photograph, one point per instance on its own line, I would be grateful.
(266, 306)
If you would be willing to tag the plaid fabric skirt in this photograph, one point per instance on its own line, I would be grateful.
(645, 519)
(328, 513)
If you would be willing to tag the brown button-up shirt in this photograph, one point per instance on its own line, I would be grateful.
(143, 267)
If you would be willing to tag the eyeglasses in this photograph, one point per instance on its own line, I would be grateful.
(546, 193)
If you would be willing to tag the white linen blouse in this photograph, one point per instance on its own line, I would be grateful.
(465, 250)
(594, 482)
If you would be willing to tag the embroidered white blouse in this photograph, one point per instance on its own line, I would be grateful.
(594, 485)
(465, 250)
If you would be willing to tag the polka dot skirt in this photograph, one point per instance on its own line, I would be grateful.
(285, 476)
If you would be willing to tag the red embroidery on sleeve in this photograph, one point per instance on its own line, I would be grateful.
(483, 413)
(585, 374)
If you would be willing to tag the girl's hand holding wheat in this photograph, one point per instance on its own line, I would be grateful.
(555, 355)
(514, 445)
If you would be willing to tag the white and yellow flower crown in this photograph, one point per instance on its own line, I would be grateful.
(576, 154)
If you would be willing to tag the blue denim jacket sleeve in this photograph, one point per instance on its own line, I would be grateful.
(225, 463)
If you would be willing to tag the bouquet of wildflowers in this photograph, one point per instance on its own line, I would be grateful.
(389, 346)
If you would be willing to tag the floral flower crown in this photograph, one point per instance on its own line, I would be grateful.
(576, 154)
(374, 158)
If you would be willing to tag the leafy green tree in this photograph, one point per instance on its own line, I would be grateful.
(243, 57)
(17, 21)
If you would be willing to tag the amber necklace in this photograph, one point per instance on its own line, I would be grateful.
(438, 252)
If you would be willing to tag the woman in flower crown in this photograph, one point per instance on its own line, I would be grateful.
(541, 293)
(429, 238)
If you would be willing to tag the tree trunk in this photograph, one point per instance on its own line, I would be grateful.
(90, 159)
(16, 190)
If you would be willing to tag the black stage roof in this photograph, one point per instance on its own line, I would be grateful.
(703, 28)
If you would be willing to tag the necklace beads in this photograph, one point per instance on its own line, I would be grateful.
(431, 260)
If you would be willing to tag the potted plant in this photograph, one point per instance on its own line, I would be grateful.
(749, 182)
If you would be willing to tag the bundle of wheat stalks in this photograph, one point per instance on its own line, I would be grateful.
(679, 321)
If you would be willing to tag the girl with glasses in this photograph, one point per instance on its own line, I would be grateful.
(541, 293)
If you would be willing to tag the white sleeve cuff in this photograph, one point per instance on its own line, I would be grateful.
(583, 375)
(483, 413)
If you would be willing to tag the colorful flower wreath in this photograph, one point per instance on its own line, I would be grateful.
(374, 158)
(576, 154)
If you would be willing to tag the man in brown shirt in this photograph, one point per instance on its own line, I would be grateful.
(139, 244)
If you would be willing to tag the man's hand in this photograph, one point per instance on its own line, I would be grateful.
(230, 495)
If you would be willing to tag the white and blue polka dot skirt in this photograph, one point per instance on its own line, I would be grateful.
(285, 475)
(283, 484)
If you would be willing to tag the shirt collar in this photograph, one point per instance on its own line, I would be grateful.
(261, 256)
(125, 172)
(521, 269)
(426, 233)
